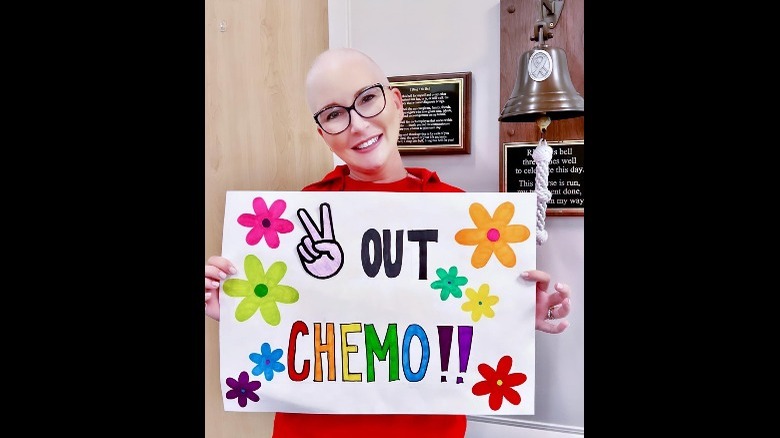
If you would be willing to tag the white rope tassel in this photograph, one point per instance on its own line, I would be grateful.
(542, 156)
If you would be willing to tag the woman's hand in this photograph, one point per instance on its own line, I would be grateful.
(550, 307)
(217, 269)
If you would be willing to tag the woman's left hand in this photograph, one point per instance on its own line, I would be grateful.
(550, 307)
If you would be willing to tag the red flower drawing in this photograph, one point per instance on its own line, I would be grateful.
(498, 383)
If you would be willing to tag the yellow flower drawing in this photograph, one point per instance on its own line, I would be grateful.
(493, 234)
(480, 303)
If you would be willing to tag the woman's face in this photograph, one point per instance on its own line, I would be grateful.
(368, 142)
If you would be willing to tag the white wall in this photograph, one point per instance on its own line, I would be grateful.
(409, 37)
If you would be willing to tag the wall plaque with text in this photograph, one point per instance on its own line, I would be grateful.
(437, 113)
(565, 180)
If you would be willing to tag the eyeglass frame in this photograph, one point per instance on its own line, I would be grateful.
(352, 107)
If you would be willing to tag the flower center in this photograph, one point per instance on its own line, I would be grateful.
(261, 290)
(493, 234)
(243, 390)
(499, 382)
(266, 222)
(479, 302)
(267, 361)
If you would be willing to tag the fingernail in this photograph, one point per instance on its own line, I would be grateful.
(215, 283)
(525, 274)
(222, 275)
(232, 270)
(208, 296)
(559, 285)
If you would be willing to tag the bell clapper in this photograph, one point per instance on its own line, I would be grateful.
(542, 155)
(543, 122)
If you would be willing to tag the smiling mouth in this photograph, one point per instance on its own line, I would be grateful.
(367, 144)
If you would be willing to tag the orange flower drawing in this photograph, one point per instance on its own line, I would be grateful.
(493, 234)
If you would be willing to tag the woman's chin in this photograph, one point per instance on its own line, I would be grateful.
(369, 158)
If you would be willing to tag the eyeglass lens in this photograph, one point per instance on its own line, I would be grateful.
(369, 103)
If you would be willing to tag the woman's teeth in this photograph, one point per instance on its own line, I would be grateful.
(368, 143)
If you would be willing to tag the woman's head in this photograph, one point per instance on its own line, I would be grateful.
(346, 78)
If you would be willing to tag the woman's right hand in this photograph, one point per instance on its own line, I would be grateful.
(217, 269)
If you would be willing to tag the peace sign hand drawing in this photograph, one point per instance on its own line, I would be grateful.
(321, 255)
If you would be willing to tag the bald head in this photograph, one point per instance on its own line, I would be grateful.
(333, 67)
(368, 144)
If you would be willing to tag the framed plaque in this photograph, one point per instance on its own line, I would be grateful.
(437, 113)
(565, 180)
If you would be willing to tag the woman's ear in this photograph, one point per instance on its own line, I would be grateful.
(398, 100)
(322, 135)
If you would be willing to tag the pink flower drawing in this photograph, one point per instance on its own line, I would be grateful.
(265, 222)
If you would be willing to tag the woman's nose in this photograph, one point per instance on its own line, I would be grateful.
(358, 121)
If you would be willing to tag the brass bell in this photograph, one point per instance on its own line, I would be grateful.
(543, 88)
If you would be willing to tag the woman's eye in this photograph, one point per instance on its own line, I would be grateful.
(333, 114)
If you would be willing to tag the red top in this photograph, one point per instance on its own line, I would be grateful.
(419, 180)
(289, 425)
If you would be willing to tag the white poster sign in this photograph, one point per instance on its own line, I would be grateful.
(378, 302)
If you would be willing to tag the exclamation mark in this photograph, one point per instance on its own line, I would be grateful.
(445, 342)
(465, 333)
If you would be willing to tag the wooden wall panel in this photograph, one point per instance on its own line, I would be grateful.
(516, 31)
(259, 136)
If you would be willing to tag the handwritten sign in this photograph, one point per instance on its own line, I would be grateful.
(374, 302)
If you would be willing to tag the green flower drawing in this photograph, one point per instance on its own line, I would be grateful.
(449, 283)
(260, 291)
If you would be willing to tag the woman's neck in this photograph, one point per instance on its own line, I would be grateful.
(394, 174)
(392, 171)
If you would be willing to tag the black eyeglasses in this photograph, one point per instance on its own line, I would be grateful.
(336, 119)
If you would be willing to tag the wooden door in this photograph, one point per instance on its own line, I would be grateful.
(259, 136)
